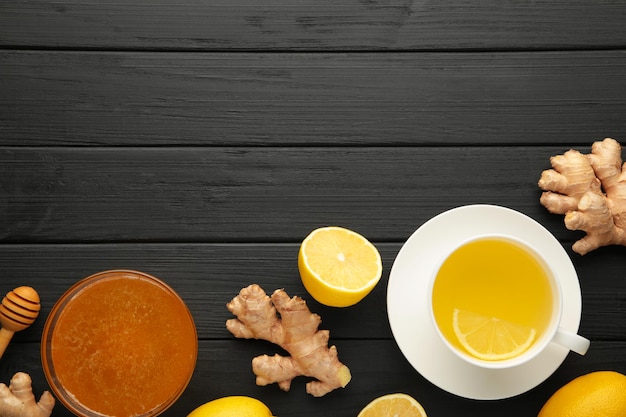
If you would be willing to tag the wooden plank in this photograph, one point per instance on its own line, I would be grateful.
(312, 25)
(238, 194)
(115, 98)
(207, 276)
(377, 368)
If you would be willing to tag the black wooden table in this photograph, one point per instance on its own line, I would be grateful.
(201, 141)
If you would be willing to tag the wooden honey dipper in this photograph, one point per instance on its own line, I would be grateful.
(18, 310)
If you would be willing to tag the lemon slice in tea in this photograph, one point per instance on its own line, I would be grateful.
(490, 338)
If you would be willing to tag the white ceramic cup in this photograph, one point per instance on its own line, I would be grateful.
(552, 334)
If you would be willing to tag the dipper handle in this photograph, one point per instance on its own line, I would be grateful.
(18, 310)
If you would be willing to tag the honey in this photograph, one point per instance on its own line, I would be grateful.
(120, 344)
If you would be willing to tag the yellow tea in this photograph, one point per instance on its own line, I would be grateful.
(492, 298)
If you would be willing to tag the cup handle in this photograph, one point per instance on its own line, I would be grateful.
(572, 341)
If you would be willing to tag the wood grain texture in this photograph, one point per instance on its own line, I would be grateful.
(207, 276)
(377, 368)
(178, 194)
(201, 141)
(128, 98)
(312, 25)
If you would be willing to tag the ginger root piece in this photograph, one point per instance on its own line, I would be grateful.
(17, 400)
(289, 323)
(591, 191)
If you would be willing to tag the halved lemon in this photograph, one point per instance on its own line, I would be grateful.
(393, 405)
(490, 338)
(338, 267)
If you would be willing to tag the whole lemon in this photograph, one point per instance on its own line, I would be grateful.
(236, 405)
(600, 393)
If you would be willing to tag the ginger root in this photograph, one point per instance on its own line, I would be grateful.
(17, 400)
(289, 323)
(591, 191)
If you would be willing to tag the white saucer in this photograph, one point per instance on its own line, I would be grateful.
(410, 320)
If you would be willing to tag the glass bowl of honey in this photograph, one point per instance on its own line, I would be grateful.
(119, 343)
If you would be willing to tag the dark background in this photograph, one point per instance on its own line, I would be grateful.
(201, 141)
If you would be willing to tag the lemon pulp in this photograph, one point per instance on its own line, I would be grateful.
(491, 338)
(338, 267)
